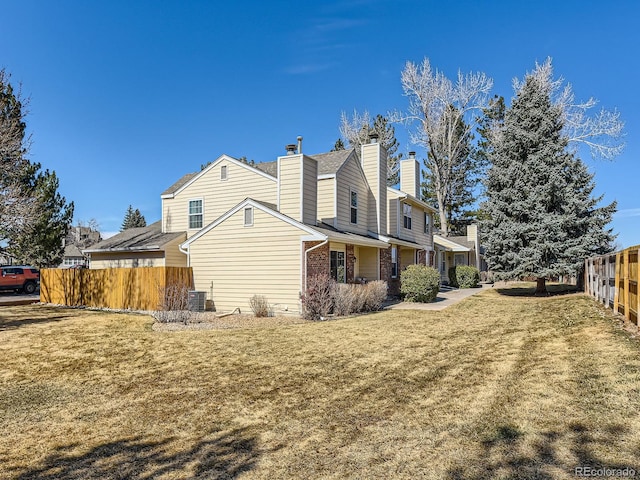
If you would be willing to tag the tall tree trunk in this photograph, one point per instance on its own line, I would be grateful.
(541, 286)
(442, 213)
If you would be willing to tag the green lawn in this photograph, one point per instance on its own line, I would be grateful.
(497, 386)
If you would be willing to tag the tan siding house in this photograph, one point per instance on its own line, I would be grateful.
(218, 188)
(266, 229)
(260, 258)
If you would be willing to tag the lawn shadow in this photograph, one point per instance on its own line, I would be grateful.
(554, 289)
(220, 455)
(501, 454)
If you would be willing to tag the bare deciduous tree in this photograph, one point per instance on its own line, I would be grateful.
(355, 131)
(601, 132)
(440, 108)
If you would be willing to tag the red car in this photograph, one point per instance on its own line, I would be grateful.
(20, 278)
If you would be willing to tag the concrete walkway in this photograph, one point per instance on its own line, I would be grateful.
(443, 300)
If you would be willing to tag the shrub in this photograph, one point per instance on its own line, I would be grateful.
(376, 294)
(317, 301)
(344, 299)
(174, 303)
(260, 306)
(467, 276)
(419, 283)
(453, 278)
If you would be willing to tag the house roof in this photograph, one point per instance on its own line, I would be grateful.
(328, 163)
(448, 243)
(336, 235)
(71, 250)
(136, 239)
(176, 186)
(405, 195)
(463, 241)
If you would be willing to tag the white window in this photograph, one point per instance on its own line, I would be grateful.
(195, 213)
(459, 259)
(406, 215)
(223, 172)
(248, 217)
(427, 223)
(354, 206)
(394, 262)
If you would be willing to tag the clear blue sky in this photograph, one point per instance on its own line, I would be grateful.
(127, 96)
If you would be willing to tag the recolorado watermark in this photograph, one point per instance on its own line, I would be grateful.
(604, 472)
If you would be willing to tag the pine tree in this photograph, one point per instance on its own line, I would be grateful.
(356, 132)
(133, 219)
(43, 246)
(543, 219)
(34, 217)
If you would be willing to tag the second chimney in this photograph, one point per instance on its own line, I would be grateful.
(410, 176)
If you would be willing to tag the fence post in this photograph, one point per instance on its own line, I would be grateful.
(606, 279)
(626, 273)
(616, 295)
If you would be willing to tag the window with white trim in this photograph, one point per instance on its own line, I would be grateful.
(354, 206)
(337, 266)
(394, 262)
(406, 216)
(248, 216)
(195, 213)
(427, 223)
(223, 172)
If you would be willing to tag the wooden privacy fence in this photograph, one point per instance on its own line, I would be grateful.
(138, 288)
(612, 279)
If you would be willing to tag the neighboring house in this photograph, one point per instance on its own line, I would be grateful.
(78, 238)
(138, 247)
(265, 229)
(461, 250)
(73, 256)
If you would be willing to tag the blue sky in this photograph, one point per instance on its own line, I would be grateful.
(127, 96)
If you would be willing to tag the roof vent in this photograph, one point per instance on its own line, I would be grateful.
(291, 149)
(373, 138)
(412, 155)
(299, 144)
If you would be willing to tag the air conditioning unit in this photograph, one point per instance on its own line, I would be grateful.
(197, 300)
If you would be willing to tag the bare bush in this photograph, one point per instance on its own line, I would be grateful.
(317, 301)
(260, 306)
(343, 299)
(375, 295)
(174, 304)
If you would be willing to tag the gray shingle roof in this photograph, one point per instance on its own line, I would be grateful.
(176, 186)
(328, 163)
(462, 241)
(142, 238)
(270, 168)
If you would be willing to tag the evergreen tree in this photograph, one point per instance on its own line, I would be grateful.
(34, 217)
(339, 145)
(356, 132)
(543, 220)
(43, 246)
(133, 219)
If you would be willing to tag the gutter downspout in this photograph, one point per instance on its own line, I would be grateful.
(306, 259)
(186, 252)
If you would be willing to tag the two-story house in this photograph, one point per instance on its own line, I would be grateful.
(265, 229)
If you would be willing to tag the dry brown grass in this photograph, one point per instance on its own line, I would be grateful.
(494, 387)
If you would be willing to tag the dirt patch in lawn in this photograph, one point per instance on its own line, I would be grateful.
(211, 321)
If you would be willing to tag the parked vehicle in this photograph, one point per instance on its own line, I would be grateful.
(19, 278)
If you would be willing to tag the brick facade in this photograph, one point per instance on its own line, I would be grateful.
(350, 264)
(385, 271)
(318, 259)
